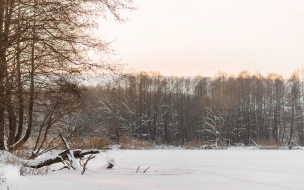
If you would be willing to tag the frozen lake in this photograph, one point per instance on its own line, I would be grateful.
(177, 169)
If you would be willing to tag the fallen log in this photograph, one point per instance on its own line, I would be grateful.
(61, 157)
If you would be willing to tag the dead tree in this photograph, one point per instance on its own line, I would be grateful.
(67, 157)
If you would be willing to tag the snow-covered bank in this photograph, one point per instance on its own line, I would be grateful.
(176, 169)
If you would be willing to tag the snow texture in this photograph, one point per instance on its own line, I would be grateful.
(235, 169)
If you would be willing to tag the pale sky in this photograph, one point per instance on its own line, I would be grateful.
(190, 37)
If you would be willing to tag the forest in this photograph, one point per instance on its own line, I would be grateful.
(46, 47)
(248, 109)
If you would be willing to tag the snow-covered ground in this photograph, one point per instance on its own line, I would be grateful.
(175, 169)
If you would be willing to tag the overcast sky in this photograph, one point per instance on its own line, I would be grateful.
(190, 37)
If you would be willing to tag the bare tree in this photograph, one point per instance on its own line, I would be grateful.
(43, 44)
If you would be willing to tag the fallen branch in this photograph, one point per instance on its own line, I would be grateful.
(137, 169)
(65, 167)
(85, 163)
(146, 170)
(71, 157)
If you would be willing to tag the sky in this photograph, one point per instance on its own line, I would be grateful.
(203, 37)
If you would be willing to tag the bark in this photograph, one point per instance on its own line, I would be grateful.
(20, 94)
(292, 123)
(32, 89)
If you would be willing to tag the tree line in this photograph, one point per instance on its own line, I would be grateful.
(225, 110)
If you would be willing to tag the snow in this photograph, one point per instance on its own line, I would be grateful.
(234, 168)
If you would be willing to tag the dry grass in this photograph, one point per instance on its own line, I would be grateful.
(269, 144)
(134, 144)
(22, 153)
(194, 144)
(29, 144)
(89, 143)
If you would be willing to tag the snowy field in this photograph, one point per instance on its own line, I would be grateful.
(175, 169)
